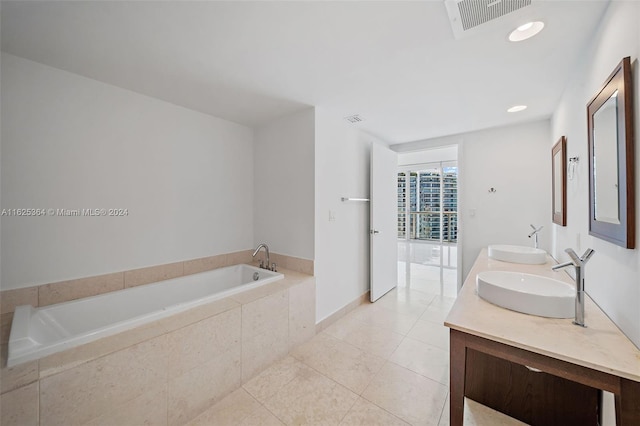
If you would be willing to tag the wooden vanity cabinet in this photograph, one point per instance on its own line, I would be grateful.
(533, 397)
(505, 387)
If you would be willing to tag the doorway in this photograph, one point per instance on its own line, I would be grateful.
(428, 227)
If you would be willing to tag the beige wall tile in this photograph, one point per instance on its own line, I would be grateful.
(197, 390)
(239, 257)
(20, 406)
(302, 312)
(204, 264)
(148, 409)
(17, 376)
(195, 345)
(5, 326)
(90, 390)
(153, 274)
(262, 350)
(9, 299)
(291, 263)
(264, 314)
(265, 333)
(63, 291)
(65, 360)
(265, 290)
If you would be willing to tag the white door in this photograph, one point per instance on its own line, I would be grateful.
(384, 217)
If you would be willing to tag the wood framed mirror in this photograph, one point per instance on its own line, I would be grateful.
(611, 159)
(559, 182)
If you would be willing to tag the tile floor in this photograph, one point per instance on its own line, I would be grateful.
(385, 363)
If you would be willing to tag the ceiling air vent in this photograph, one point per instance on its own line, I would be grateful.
(354, 118)
(468, 14)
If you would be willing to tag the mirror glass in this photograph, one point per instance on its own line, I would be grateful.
(559, 181)
(605, 161)
(611, 159)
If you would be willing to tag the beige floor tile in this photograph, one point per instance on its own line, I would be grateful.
(476, 414)
(444, 418)
(479, 415)
(344, 326)
(422, 358)
(20, 406)
(369, 338)
(238, 409)
(431, 333)
(436, 314)
(364, 412)
(340, 361)
(406, 301)
(406, 394)
(311, 398)
(442, 302)
(385, 318)
(273, 379)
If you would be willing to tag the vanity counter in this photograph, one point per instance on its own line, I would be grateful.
(600, 355)
(601, 346)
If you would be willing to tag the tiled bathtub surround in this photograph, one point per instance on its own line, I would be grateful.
(168, 371)
(64, 291)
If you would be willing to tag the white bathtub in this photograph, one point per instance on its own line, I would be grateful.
(37, 332)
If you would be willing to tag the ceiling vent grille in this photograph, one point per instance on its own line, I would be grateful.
(468, 14)
(354, 118)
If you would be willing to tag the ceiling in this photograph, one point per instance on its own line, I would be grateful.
(396, 63)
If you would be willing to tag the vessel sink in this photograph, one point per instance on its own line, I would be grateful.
(527, 293)
(518, 254)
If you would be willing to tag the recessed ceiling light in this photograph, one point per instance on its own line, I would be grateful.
(526, 31)
(517, 108)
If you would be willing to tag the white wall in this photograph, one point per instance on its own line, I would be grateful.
(342, 246)
(430, 155)
(72, 142)
(613, 273)
(284, 185)
(516, 162)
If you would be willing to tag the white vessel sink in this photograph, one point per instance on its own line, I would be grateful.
(526, 293)
(518, 254)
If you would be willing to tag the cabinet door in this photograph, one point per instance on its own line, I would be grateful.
(536, 398)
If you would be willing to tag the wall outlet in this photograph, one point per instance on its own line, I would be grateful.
(332, 216)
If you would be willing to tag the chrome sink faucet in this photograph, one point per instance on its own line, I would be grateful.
(534, 234)
(266, 250)
(578, 263)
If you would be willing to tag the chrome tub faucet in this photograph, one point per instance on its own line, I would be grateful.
(578, 263)
(270, 267)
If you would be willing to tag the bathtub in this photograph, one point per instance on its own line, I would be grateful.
(38, 332)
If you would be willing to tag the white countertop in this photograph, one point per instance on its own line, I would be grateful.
(601, 346)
